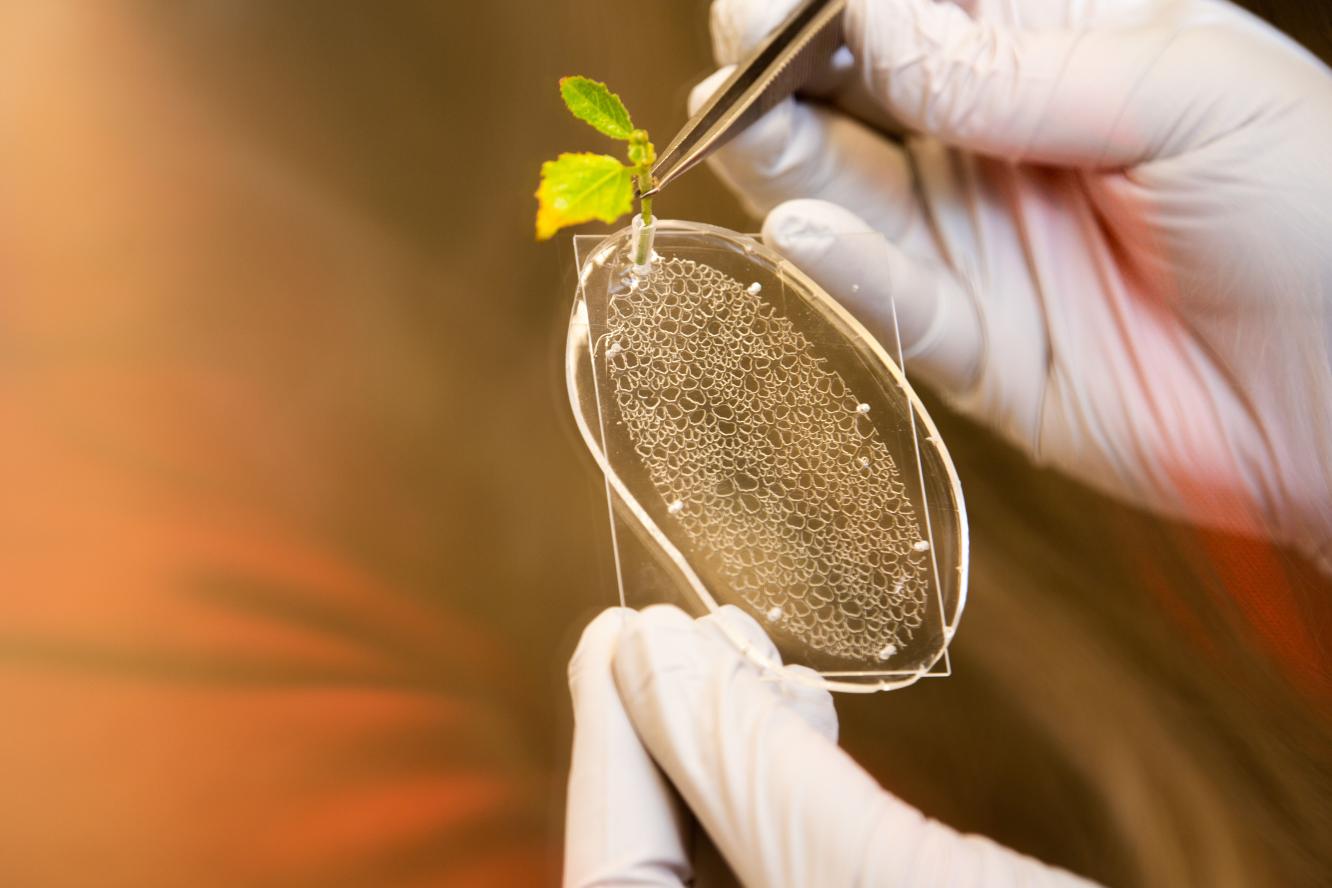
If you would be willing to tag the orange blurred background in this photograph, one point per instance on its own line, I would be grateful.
(296, 535)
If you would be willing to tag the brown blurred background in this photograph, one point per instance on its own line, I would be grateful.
(296, 535)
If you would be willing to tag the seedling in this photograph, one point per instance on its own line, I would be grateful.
(577, 188)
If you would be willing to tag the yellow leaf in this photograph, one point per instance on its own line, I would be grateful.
(578, 188)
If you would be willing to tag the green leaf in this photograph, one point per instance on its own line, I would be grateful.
(594, 103)
(579, 188)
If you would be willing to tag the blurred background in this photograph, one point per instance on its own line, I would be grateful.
(297, 535)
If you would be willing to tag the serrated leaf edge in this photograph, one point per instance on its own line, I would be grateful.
(597, 97)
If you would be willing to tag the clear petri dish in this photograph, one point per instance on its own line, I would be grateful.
(761, 449)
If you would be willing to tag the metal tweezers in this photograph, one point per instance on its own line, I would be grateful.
(780, 65)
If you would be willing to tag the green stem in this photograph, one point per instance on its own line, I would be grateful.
(643, 155)
(645, 184)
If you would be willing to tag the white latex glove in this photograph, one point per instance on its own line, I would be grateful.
(624, 823)
(1110, 237)
(755, 757)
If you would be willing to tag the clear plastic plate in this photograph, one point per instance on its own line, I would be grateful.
(762, 450)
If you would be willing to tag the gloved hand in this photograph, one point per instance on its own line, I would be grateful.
(754, 756)
(1109, 235)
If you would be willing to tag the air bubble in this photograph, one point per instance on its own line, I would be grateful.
(921, 545)
(754, 289)
(774, 614)
(887, 651)
(862, 408)
(676, 507)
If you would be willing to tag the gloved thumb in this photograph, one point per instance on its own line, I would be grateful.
(892, 293)
(1058, 96)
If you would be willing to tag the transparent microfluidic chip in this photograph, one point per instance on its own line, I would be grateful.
(761, 449)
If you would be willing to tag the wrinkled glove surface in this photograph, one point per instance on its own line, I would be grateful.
(1106, 227)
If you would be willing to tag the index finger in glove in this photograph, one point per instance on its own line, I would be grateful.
(803, 150)
(624, 822)
(739, 26)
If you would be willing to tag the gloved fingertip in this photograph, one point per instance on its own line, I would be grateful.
(739, 25)
(665, 615)
(660, 643)
(606, 625)
(804, 230)
(806, 692)
(798, 676)
(704, 89)
(741, 621)
(659, 637)
(738, 630)
(612, 616)
(598, 640)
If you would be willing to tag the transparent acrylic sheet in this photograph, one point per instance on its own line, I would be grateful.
(658, 554)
